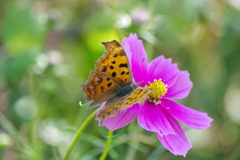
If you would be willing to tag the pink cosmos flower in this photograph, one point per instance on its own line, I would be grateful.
(158, 114)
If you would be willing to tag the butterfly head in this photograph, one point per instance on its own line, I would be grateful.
(135, 85)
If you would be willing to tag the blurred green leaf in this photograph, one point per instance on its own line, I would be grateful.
(22, 30)
(156, 153)
(9, 127)
(235, 154)
(120, 131)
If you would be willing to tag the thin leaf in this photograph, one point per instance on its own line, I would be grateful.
(156, 153)
(235, 154)
(9, 127)
(121, 131)
(203, 156)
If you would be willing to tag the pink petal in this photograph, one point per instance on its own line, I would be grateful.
(138, 61)
(122, 118)
(191, 118)
(127, 49)
(152, 118)
(181, 87)
(178, 144)
(164, 69)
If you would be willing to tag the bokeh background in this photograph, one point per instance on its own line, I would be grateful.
(47, 49)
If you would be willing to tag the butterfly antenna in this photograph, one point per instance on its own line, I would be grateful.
(140, 82)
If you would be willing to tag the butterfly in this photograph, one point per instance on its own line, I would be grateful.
(111, 82)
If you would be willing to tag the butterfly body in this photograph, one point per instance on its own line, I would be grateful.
(111, 82)
(125, 90)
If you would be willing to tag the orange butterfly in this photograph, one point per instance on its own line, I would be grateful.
(111, 82)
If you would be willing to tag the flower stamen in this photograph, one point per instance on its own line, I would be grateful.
(157, 90)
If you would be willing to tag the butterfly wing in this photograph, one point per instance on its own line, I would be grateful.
(111, 73)
(115, 63)
(100, 87)
(139, 95)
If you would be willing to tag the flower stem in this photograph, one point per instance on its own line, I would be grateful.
(79, 132)
(107, 146)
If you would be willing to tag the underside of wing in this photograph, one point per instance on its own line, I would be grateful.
(99, 88)
(139, 95)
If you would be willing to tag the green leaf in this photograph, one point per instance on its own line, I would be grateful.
(9, 127)
(121, 131)
(23, 31)
(156, 153)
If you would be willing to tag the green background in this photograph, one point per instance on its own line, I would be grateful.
(47, 49)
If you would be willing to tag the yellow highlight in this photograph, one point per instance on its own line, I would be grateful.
(157, 89)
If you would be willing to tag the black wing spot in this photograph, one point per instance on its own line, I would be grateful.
(127, 72)
(115, 55)
(108, 79)
(102, 88)
(122, 73)
(99, 80)
(139, 92)
(114, 74)
(104, 69)
(113, 62)
(111, 67)
(123, 65)
(109, 84)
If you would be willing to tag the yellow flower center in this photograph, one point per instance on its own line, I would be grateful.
(157, 89)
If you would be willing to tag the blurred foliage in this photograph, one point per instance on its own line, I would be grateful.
(47, 49)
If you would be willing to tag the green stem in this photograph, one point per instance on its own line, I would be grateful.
(107, 146)
(79, 132)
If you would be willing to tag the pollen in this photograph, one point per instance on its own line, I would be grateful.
(157, 90)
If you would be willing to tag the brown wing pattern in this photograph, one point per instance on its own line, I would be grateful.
(99, 88)
(109, 111)
(115, 63)
(139, 95)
